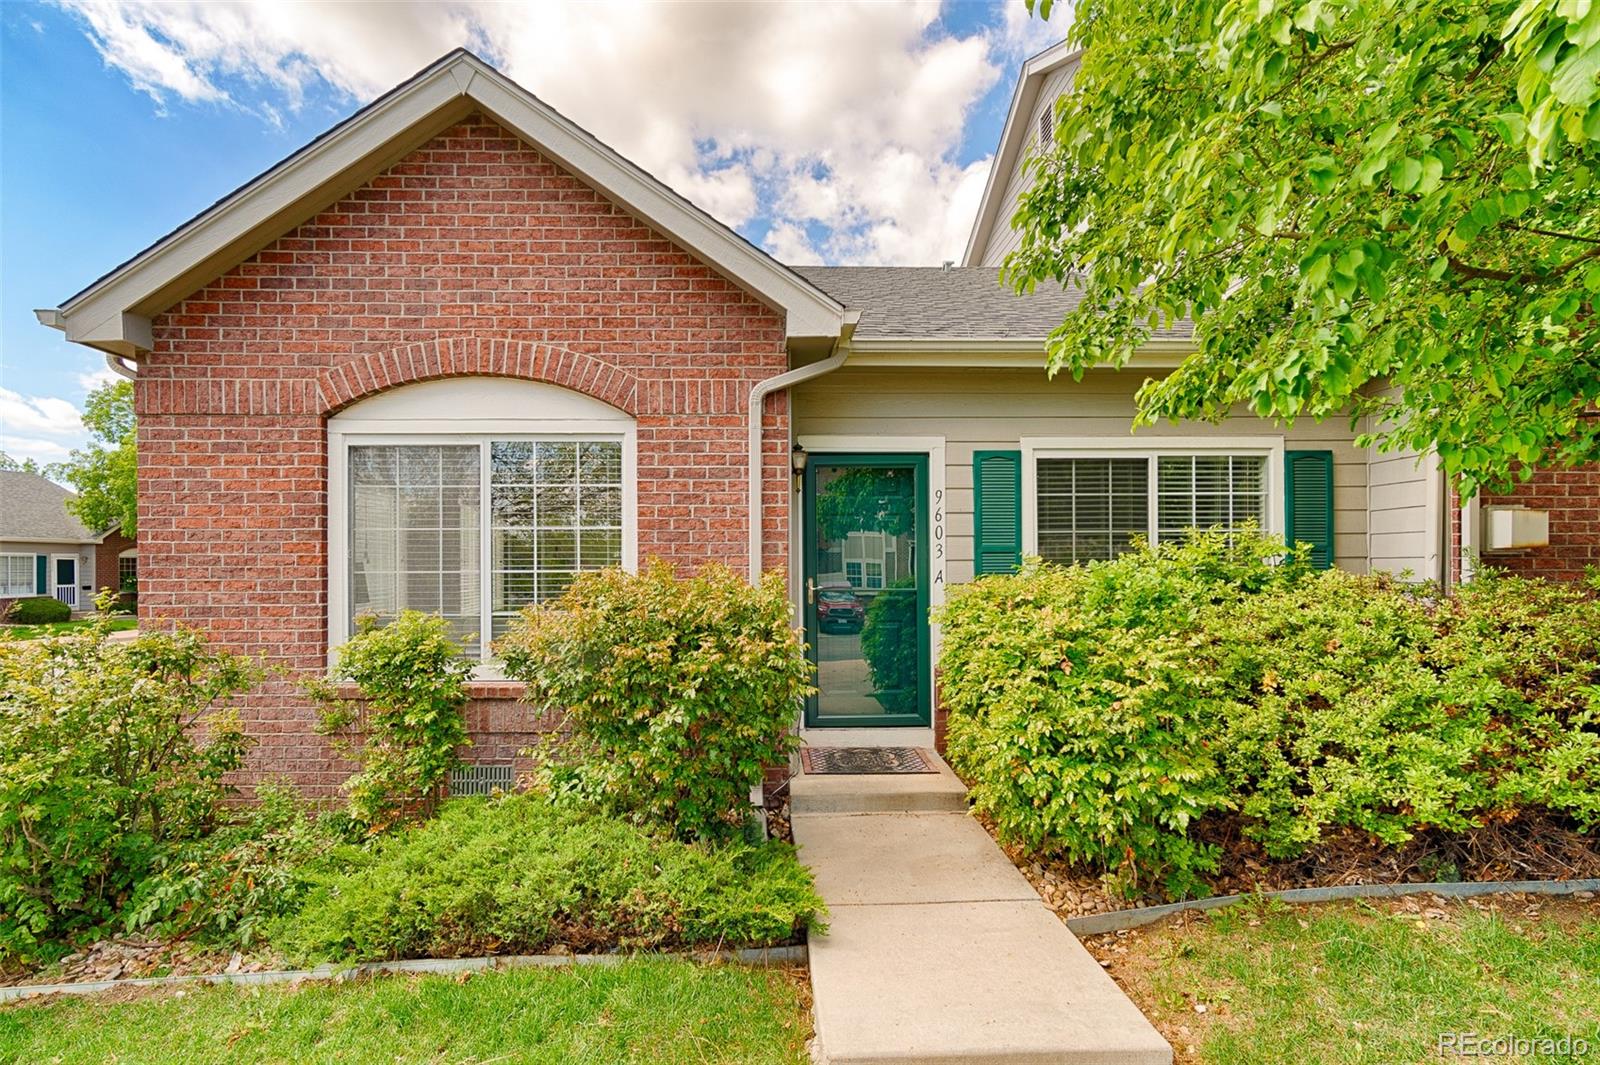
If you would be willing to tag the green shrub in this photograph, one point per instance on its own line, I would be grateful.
(406, 728)
(111, 755)
(1100, 712)
(677, 691)
(1070, 692)
(889, 645)
(38, 610)
(519, 874)
(227, 886)
(1354, 701)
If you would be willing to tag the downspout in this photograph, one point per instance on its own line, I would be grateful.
(1446, 531)
(758, 398)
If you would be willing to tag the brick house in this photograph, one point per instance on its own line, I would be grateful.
(46, 551)
(456, 350)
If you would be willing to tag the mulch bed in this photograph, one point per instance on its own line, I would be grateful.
(1528, 848)
(130, 957)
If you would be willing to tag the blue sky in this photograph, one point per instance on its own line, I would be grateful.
(832, 132)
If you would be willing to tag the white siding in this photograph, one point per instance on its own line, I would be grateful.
(1002, 238)
(994, 408)
(84, 553)
(1404, 501)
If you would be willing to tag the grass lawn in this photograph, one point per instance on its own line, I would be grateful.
(1358, 983)
(56, 628)
(642, 1011)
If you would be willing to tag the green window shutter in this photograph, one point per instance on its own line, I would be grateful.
(1308, 503)
(41, 574)
(997, 492)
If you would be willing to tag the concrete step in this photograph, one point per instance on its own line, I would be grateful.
(878, 793)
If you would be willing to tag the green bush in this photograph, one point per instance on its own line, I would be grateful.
(406, 729)
(889, 645)
(38, 610)
(1070, 692)
(519, 874)
(111, 755)
(1101, 711)
(677, 691)
(1354, 701)
(226, 887)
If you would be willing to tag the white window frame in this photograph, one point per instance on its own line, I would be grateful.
(5, 592)
(446, 432)
(1035, 448)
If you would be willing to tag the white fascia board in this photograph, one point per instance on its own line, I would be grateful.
(113, 313)
(1012, 137)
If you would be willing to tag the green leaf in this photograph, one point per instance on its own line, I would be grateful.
(1432, 172)
(1405, 174)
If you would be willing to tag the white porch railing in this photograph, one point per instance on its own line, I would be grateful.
(68, 594)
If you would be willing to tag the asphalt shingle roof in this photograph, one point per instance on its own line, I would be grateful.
(32, 508)
(962, 301)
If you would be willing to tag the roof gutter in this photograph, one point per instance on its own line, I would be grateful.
(758, 398)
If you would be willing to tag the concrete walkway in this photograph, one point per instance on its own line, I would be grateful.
(938, 950)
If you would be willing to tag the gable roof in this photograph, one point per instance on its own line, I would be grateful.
(1014, 139)
(964, 302)
(32, 508)
(113, 313)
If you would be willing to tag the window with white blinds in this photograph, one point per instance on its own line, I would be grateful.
(422, 539)
(1092, 507)
(16, 576)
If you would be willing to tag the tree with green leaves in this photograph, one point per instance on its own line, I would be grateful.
(20, 465)
(105, 474)
(1381, 209)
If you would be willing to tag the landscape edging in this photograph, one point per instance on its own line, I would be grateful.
(759, 957)
(1118, 920)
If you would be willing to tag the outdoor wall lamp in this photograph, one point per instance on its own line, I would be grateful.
(797, 463)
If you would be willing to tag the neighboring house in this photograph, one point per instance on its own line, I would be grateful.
(46, 550)
(456, 350)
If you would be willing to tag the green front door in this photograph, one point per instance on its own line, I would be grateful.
(866, 589)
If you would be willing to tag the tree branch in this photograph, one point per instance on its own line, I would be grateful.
(1549, 233)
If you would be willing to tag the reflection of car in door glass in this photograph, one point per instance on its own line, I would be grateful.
(838, 610)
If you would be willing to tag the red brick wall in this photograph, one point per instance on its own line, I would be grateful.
(105, 560)
(473, 254)
(1572, 497)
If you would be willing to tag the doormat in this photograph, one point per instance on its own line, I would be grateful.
(862, 761)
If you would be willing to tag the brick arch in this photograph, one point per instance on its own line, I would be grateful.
(429, 360)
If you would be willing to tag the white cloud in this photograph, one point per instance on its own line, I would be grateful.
(93, 379)
(42, 428)
(38, 414)
(845, 116)
(1024, 34)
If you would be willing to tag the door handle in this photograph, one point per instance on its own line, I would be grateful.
(811, 591)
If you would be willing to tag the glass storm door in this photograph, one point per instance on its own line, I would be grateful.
(866, 587)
